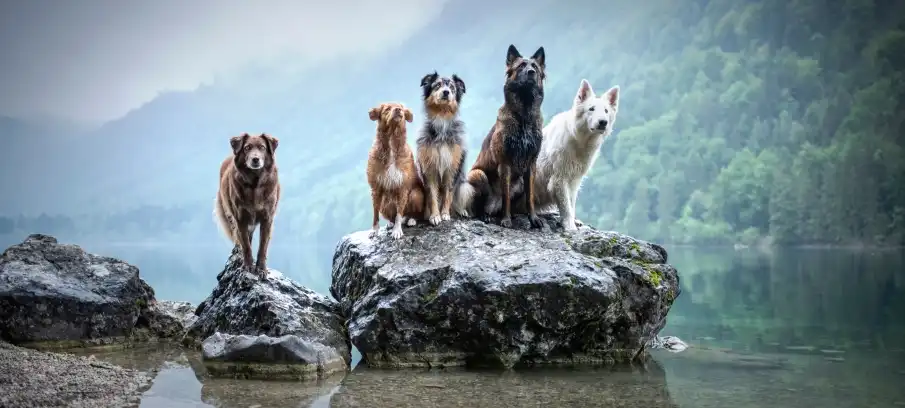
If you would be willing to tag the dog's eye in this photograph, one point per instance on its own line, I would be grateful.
(591, 109)
(247, 147)
(606, 111)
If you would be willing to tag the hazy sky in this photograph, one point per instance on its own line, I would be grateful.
(94, 60)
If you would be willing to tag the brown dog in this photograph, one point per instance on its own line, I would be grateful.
(249, 194)
(396, 189)
(509, 152)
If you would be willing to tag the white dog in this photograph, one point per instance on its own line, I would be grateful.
(570, 146)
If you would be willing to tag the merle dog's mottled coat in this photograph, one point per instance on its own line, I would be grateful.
(509, 152)
(441, 147)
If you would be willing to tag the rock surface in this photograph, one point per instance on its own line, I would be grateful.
(470, 293)
(56, 295)
(272, 328)
(30, 378)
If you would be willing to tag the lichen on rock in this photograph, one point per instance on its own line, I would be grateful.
(471, 293)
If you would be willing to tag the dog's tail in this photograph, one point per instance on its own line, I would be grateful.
(463, 190)
(224, 221)
(468, 190)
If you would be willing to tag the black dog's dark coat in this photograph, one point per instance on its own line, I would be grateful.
(513, 144)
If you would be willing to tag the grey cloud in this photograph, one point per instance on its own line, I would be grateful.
(94, 60)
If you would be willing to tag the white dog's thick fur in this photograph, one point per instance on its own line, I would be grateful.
(570, 146)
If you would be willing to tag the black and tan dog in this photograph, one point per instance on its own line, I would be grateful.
(441, 148)
(509, 152)
(248, 195)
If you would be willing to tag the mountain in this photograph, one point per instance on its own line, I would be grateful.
(739, 122)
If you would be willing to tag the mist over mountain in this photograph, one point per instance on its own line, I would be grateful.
(739, 122)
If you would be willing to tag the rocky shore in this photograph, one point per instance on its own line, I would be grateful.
(30, 378)
(464, 293)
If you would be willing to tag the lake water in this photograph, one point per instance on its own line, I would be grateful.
(789, 328)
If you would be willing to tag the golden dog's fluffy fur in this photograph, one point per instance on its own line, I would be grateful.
(396, 188)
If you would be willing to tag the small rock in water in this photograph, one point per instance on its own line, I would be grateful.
(669, 343)
(271, 328)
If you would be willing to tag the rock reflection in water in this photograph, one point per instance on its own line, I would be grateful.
(619, 386)
(181, 381)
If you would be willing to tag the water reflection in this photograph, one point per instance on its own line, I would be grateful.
(823, 299)
(624, 386)
(788, 328)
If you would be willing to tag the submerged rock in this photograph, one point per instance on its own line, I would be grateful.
(272, 328)
(467, 292)
(56, 295)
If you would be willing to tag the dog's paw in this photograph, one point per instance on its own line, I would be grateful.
(412, 222)
(396, 233)
(374, 232)
(487, 219)
(261, 271)
(390, 224)
(578, 223)
(445, 217)
(569, 226)
(435, 219)
(462, 213)
(506, 222)
(536, 222)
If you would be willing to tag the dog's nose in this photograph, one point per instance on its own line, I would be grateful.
(601, 123)
(531, 71)
(446, 93)
(255, 160)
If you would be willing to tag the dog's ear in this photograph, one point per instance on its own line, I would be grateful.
(429, 79)
(409, 117)
(272, 141)
(512, 55)
(540, 57)
(374, 113)
(585, 92)
(460, 84)
(237, 142)
(612, 96)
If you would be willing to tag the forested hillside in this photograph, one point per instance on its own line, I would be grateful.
(739, 122)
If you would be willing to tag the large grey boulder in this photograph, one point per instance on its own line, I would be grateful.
(55, 296)
(467, 292)
(269, 329)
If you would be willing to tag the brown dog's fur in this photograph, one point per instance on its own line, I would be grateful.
(248, 197)
(509, 151)
(396, 189)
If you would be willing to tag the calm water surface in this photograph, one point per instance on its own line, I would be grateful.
(790, 328)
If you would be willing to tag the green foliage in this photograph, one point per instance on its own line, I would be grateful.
(760, 129)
